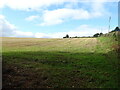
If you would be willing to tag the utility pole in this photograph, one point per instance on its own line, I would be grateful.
(101, 30)
(119, 14)
(109, 24)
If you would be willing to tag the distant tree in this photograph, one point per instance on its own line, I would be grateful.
(100, 34)
(96, 35)
(117, 29)
(67, 36)
(76, 37)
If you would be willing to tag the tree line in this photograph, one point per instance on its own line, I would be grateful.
(95, 35)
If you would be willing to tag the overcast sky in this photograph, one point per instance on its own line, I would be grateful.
(56, 18)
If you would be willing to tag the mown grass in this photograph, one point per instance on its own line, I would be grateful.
(67, 63)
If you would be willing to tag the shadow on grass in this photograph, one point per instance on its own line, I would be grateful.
(60, 69)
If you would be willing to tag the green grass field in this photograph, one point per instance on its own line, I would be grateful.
(60, 63)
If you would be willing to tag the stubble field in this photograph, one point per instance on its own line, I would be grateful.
(63, 63)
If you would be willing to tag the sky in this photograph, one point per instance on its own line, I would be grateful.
(56, 18)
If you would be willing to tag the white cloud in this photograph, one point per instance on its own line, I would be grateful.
(97, 9)
(82, 30)
(42, 35)
(35, 4)
(10, 30)
(2, 3)
(86, 30)
(31, 18)
(52, 17)
(5, 27)
(29, 4)
(60, 15)
(23, 34)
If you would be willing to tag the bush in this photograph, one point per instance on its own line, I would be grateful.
(96, 35)
(67, 36)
